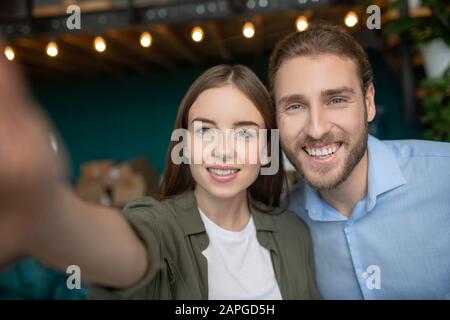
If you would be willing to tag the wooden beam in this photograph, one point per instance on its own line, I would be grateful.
(137, 62)
(30, 56)
(67, 54)
(88, 58)
(71, 42)
(213, 30)
(147, 54)
(168, 36)
(85, 43)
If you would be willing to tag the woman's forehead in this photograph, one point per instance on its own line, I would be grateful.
(225, 105)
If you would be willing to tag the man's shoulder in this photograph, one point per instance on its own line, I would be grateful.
(418, 148)
(295, 199)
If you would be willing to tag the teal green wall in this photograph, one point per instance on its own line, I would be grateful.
(132, 115)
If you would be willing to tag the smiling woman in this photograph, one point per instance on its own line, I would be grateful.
(225, 97)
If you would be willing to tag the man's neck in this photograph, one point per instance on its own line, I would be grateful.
(345, 197)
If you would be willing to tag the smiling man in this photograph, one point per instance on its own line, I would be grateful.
(378, 211)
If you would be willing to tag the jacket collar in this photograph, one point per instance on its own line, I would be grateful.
(187, 211)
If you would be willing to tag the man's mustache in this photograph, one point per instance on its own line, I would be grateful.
(328, 138)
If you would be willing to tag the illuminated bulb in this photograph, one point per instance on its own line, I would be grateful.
(197, 34)
(146, 39)
(52, 49)
(99, 44)
(9, 53)
(351, 19)
(248, 30)
(301, 23)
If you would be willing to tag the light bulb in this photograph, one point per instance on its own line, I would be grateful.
(146, 39)
(248, 30)
(197, 34)
(99, 44)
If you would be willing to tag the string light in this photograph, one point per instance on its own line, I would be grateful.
(52, 49)
(301, 23)
(351, 19)
(197, 34)
(146, 39)
(248, 30)
(9, 53)
(99, 44)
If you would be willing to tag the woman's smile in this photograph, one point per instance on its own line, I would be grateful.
(223, 173)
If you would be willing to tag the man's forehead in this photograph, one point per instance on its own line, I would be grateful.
(315, 74)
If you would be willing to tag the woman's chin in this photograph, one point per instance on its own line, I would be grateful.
(225, 192)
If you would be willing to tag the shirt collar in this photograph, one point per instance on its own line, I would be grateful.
(187, 211)
(384, 174)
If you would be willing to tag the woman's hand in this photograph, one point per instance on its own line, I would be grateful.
(39, 215)
(29, 168)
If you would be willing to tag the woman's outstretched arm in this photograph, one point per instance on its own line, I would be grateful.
(39, 215)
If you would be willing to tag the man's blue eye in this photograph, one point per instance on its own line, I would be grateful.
(295, 106)
(337, 101)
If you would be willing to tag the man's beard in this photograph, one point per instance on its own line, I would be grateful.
(354, 156)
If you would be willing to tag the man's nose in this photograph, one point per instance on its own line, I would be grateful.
(318, 123)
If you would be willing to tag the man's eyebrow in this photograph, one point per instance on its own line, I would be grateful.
(245, 123)
(326, 92)
(335, 91)
(291, 98)
(204, 120)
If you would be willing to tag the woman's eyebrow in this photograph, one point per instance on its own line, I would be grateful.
(204, 120)
(245, 123)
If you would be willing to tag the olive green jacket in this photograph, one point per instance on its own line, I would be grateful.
(175, 236)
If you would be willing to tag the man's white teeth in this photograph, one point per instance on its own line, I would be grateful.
(222, 172)
(322, 152)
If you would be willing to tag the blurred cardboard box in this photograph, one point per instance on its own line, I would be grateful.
(142, 165)
(91, 190)
(118, 172)
(96, 169)
(124, 191)
(115, 184)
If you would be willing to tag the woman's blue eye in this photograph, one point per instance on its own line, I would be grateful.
(244, 133)
(203, 131)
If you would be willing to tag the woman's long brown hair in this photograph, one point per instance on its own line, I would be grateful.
(177, 177)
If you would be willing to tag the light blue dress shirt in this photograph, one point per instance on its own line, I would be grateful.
(396, 243)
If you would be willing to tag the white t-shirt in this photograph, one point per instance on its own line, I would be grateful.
(239, 268)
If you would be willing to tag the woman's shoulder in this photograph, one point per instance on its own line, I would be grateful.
(157, 209)
(148, 208)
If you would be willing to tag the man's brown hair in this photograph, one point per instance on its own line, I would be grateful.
(319, 39)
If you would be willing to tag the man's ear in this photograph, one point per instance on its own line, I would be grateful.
(370, 103)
